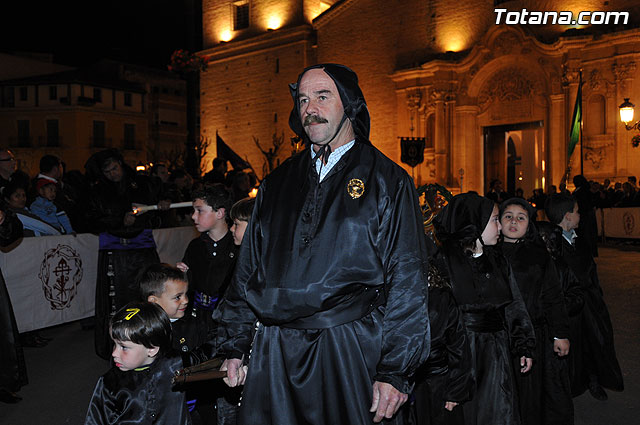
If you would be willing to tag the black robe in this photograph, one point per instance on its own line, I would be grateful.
(336, 278)
(498, 328)
(446, 376)
(116, 283)
(597, 350)
(139, 397)
(13, 370)
(544, 392)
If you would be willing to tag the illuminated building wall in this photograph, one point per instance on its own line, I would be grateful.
(441, 70)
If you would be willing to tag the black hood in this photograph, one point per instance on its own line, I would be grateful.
(464, 217)
(355, 107)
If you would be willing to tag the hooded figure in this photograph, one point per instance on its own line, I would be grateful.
(544, 393)
(496, 321)
(332, 267)
(126, 240)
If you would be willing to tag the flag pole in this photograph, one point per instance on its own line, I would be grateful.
(581, 129)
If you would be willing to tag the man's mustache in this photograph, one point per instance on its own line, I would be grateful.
(313, 119)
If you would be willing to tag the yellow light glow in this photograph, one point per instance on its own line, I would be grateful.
(225, 35)
(274, 22)
(543, 182)
(453, 44)
(543, 165)
(253, 193)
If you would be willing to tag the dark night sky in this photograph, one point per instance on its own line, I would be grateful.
(77, 33)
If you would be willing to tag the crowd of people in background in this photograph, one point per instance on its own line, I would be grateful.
(55, 200)
(607, 194)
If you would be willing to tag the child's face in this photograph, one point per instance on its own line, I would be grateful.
(204, 217)
(173, 299)
(48, 192)
(515, 221)
(572, 219)
(492, 229)
(128, 355)
(238, 229)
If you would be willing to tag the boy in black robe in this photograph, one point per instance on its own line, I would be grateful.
(597, 350)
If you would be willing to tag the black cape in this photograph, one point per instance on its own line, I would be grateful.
(139, 397)
(338, 283)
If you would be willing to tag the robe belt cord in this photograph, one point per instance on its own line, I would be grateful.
(357, 307)
(490, 321)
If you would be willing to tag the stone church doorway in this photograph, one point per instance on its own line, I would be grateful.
(514, 154)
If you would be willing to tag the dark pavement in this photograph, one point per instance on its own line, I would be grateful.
(62, 374)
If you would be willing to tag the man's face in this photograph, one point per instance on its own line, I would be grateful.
(162, 173)
(8, 163)
(321, 109)
(113, 171)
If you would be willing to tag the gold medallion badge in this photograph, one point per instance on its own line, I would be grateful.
(355, 188)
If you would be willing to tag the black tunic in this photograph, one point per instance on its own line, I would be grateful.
(544, 392)
(336, 281)
(139, 397)
(210, 263)
(597, 346)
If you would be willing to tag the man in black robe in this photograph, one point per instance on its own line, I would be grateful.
(331, 274)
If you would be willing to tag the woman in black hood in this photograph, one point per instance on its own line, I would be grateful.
(544, 393)
(497, 324)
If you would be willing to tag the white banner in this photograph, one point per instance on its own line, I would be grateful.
(52, 279)
(172, 243)
(620, 222)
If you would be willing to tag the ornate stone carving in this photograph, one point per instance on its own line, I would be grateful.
(508, 85)
(597, 155)
(623, 71)
(414, 99)
(505, 43)
(570, 75)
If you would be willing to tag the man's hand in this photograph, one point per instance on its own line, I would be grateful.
(386, 400)
(164, 204)
(561, 347)
(182, 266)
(526, 364)
(236, 373)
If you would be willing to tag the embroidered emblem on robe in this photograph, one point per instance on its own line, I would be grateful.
(355, 188)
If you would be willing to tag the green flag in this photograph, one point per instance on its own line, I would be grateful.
(574, 136)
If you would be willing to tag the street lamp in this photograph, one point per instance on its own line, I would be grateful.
(626, 115)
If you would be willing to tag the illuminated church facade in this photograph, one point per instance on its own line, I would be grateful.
(489, 100)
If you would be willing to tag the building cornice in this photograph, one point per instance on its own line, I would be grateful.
(334, 11)
(266, 41)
